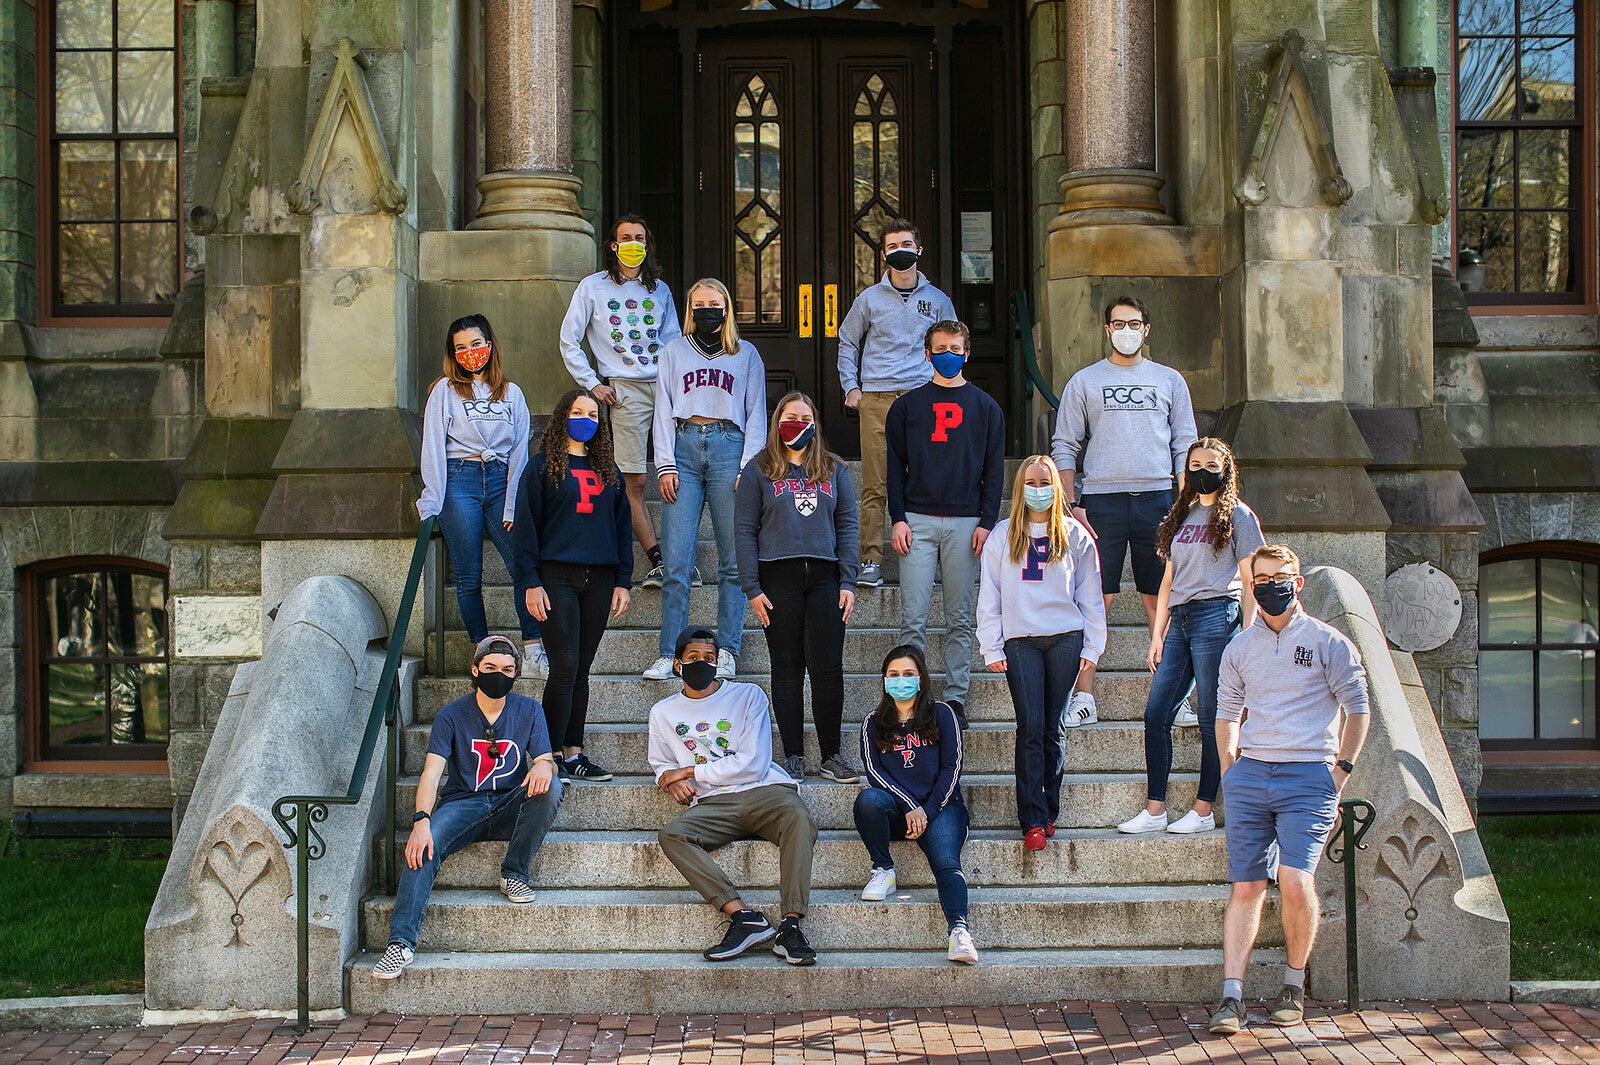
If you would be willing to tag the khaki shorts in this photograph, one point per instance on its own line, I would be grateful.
(631, 415)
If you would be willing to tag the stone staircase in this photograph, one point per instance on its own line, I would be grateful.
(1095, 915)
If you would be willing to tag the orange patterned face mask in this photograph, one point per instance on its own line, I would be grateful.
(473, 359)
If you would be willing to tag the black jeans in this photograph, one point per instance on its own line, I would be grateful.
(806, 632)
(580, 604)
(1040, 671)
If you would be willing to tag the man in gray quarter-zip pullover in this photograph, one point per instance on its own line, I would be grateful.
(1282, 770)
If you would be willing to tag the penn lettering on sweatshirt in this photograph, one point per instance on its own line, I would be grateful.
(946, 449)
(726, 736)
(881, 338)
(920, 775)
(1125, 428)
(1295, 683)
(1199, 570)
(1036, 598)
(478, 428)
(582, 520)
(692, 384)
(794, 517)
(625, 325)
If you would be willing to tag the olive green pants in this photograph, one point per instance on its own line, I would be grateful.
(773, 813)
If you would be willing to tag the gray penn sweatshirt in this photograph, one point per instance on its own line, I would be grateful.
(1125, 428)
(881, 338)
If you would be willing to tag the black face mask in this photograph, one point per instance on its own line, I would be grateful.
(708, 319)
(494, 685)
(1205, 481)
(698, 676)
(1275, 597)
(901, 259)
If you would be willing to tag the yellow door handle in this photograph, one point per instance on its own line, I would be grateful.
(830, 310)
(805, 310)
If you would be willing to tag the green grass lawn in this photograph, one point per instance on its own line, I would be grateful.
(72, 914)
(1548, 868)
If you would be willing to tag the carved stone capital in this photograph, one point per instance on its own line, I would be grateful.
(531, 200)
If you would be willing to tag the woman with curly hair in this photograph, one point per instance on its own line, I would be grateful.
(574, 554)
(1207, 539)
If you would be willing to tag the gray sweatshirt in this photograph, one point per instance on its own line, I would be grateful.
(1295, 682)
(1126, 428)
(480, 428)
(795, 518)
(692, 384)
(880, 340)
(1199, 571)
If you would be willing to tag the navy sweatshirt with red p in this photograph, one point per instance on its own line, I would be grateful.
(946, 450)
(581, 520)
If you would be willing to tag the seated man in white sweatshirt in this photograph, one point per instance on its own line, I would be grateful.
(711, 750)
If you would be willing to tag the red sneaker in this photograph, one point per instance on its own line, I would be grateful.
(1050, 829)
(1033, 839)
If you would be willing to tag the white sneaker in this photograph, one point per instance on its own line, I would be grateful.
(1187, 718)
(662, 670)
(961, 946)
(880, 887)
(1081, 710)
(1144, 821)
(535, 663)
(1192, 822)
(395, 958)
(726, 667)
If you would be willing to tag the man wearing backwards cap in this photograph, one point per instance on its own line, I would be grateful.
(502, 785)
(711, 750)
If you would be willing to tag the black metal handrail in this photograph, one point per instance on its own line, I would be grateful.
(1355, 817)
(1022, 323)
(298, 815)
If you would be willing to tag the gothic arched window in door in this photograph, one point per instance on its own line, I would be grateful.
(757, 194)
(875, 174)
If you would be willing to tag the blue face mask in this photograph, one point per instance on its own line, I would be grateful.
(1039, 496)
(1275, 597)
(947, 363)
(582, 429)
(901, 688)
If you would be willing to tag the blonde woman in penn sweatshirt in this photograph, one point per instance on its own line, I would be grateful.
(1041, 618)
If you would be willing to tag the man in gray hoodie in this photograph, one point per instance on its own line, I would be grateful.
(881, 358)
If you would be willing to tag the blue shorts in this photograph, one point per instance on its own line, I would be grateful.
(1295, 803)
(1125, 521)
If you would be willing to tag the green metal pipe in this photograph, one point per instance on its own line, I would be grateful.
(1419, 32)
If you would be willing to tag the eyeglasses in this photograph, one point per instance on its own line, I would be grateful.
(1274, 578)
(1125, 323)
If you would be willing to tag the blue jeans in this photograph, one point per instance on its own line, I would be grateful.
(1192, 654)
(708, 457)
(513, 815)
(941, 547)
(879, 819)
(1040, 671)
(474, 506)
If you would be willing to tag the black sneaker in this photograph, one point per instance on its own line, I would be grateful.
(747, 928)
(960, 710)
(580, 768)
(1228, 1019)
(791, 945)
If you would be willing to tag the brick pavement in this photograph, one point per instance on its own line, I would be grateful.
(1084, 1033)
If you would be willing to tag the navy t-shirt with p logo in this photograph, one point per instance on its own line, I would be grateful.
(478, 764)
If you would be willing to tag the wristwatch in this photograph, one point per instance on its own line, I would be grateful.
(1347, 765)
(420, 815)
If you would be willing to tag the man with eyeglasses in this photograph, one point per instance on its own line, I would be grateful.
(1125, 425)
(502, 785)
(1282, 771)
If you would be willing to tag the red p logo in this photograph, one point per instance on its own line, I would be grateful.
(946, 416)
(589, 486)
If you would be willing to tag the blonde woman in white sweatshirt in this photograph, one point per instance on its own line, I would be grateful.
(1041, 618)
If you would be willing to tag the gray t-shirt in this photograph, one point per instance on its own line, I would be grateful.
(1198, 571)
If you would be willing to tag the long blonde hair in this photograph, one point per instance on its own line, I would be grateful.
(1018, 539)
(815, 459)
(730, 331)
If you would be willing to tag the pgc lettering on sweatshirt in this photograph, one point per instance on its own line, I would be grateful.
(487, 410)
(1130, 397)
(708, 378)
(946, 416)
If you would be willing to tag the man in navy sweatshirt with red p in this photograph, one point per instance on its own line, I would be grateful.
(946, 451)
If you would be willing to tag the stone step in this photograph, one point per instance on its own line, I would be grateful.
(1007, 918)
(1088, 800)
(682, 982)
(628, 697)
(1109, 747)
(991, 858)
(633, 650)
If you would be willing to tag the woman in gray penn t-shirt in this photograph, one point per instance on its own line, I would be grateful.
(1207, 539)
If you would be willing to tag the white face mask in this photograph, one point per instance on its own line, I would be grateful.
(1127, 341)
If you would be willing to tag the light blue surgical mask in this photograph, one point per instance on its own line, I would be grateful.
(1039, 496)
(901, 688)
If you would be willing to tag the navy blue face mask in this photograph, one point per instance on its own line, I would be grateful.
(1275, 597)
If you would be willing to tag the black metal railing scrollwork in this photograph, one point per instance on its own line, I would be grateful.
(1355, 817)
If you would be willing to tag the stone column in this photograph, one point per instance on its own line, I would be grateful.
(528, 181)
(1111, 115)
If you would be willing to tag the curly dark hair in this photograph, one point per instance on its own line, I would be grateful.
(554, 441)
(1221, 523)
(924, 722)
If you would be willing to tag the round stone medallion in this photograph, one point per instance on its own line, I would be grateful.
(1422, 607)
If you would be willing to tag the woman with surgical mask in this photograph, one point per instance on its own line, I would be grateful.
(1041, 619)
(574, 553)
(1207, 539)
(911, 748)
(795, 531)
(474, 446)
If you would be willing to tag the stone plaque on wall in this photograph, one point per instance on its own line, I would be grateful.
(1422, 607)
(216, 626)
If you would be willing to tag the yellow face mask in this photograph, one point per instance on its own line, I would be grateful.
(630, 253)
